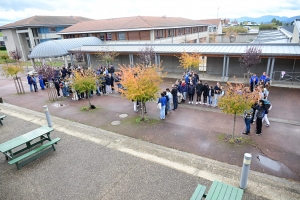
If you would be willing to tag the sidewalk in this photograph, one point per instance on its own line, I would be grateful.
(91, 163)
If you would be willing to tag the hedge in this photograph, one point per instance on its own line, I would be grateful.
(3, 48)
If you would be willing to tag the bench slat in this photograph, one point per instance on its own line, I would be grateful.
(199, 192)
(15, 160)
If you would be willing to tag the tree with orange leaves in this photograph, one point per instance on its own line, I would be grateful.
(236, 100)
(140, 83)
(193, 60)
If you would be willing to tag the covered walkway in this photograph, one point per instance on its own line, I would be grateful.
(58, 48)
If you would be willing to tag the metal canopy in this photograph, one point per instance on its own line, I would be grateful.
(56, 48)
(268, 49)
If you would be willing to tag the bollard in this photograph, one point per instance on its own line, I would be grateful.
(245, 170)
(48, 116)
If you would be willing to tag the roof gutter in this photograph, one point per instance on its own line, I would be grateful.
(122, 30)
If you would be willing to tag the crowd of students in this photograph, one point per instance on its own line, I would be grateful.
(63, 79)
(188, 86)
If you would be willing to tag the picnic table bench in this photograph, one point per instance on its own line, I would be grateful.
(1, 118)
(16, 146)
(218, 191)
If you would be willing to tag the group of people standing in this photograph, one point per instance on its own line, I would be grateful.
(260, 109)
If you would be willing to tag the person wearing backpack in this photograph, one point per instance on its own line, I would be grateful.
(247, 117)
(260, 109)
(268, 107)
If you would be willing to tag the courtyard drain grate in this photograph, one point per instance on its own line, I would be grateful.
(123, 115)
(115, 123)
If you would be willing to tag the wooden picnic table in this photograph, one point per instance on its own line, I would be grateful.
(217, 191)
(10, 148)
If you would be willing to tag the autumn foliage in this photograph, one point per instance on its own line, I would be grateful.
(84, 81)
(236, 100)
(11, 70)
(192, 60)
(140, 83)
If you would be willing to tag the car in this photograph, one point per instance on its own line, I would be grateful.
(247, 27)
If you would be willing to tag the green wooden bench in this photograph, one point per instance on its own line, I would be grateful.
(218, 191)
(34, 152)
(1, 118)
(199, 193)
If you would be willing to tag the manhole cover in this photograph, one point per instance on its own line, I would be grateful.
(59, 105)
(115, 123)
(123, 115)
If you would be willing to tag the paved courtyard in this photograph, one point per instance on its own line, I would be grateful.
(192, 129)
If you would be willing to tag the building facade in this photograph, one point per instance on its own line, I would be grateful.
(141, 30)
(27, 33)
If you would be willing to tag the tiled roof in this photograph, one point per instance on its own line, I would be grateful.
(46, 21)
(210, 21)
(205, 49)
(125, 23)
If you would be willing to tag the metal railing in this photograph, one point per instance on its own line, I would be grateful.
(286, 76)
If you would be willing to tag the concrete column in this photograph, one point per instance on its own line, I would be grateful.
(72, 59)
(32, 61)
(66, 62)
(272, 68)
(224, 65)
(155, 58)
(31, 39)
(152, 36)
(158, 59)
(227, 66)
(21, 47)
(88, 58)
(44, 61)
(131, 60)
(268, 67)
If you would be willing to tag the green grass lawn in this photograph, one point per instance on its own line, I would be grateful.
(28, 63)
(0, 34)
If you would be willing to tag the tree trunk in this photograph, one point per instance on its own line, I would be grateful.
(234, 119)
(88, 96)
(142, 111)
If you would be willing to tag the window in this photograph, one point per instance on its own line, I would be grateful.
(187, 30)
(181, 31)
(102, 36)
(121, 36)
(170, 32)
(195, 30)
(52, 30)
(34, 32)
(28, 43)
(90, 35)
(159, 34)
(84, 35)
(108, 36)
(26, 35)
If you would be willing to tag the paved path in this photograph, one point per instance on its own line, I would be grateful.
(91, 163)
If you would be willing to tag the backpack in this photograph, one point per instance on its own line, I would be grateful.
(267, 104)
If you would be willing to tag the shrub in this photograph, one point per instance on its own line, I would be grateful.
(2, 48)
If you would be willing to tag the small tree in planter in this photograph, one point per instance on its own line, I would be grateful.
(16, 54)
(146, 56)
(236, 100)
(193, 60)
(79, 57)
(107, 56)
(47, 72)
(140, 83)
(250, 58)
(85, 82)
(12, 71)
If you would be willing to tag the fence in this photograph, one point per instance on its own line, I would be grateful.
(283, 76)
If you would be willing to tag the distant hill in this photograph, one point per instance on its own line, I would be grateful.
(267, 18)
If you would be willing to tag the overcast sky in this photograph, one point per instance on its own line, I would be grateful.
(13, 10)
